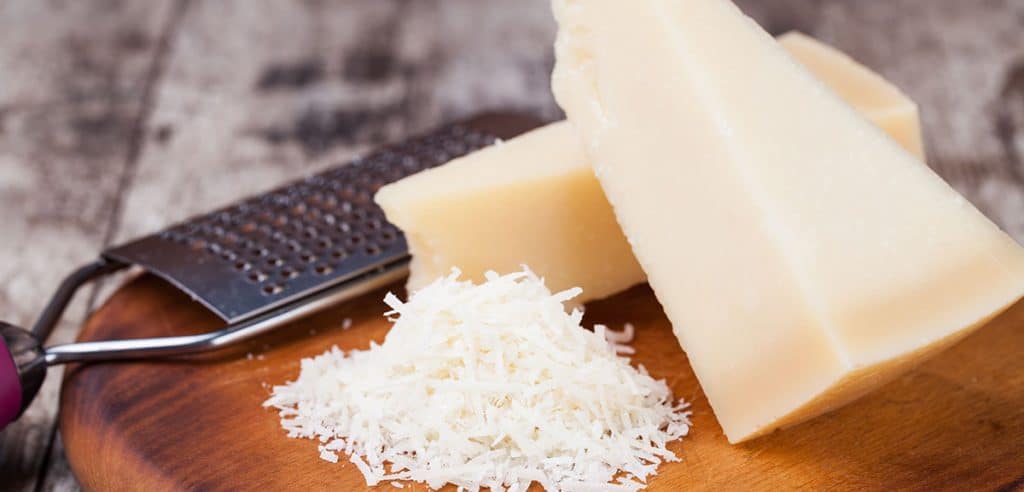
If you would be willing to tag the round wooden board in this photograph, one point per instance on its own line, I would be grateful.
(956, 422)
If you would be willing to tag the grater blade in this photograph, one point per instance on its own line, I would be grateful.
(292, 242)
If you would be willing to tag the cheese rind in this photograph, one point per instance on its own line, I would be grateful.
(803, 257)
(535, 201)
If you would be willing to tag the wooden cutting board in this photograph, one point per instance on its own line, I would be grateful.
(955, 423)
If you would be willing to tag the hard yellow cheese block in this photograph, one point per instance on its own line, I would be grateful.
(534, 200)
(530, 201)
(802, 256)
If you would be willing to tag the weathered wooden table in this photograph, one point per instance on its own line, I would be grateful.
(118, 117)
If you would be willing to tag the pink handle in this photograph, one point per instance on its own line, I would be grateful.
(10, 387)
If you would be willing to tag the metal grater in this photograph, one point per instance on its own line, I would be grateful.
(258, 263)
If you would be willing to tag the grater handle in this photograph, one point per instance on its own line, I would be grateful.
(22, 369)
(176, 346)
(22, 359)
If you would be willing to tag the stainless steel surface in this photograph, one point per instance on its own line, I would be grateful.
(270, 250)
(185, 345)
(274, 257)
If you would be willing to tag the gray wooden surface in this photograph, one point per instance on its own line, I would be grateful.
(118, 117)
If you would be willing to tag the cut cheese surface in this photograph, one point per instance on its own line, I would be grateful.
(534, 199)
(530, 201)
(803, 257)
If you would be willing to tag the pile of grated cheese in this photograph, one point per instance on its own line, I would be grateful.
(487, 386)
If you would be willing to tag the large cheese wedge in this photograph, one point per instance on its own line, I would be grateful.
(802, 256)
(866, 91)
(534, 200)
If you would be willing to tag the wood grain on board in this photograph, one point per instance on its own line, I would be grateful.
(198, 424)
(246, 94)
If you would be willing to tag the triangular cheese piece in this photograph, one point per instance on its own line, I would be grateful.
(803, 257)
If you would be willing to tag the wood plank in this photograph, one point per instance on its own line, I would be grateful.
(315, 83)
(73, 76)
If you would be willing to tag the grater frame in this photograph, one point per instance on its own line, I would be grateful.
(275, 248)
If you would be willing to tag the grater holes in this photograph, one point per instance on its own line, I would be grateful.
(224, 217)
(395, 175)
(284, 198)
(355, 240)
(348, 192)
(318, 198)
(279, 237)
(440, 156)
(313, 215)
(411, 164)
(248, 227)
(322, 224)
(266, 216)
(265, 229)
(316, 180)
(173, 237)
(337, 184)
(455, 147)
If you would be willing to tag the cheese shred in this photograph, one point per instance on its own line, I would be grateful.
(487, 386)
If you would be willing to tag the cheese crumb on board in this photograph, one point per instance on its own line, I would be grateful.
(488, 386)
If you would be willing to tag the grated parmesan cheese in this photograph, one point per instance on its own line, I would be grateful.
(488, 386)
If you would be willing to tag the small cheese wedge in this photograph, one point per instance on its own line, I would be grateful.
(530, 201)
(802, 256)
(535, 201)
